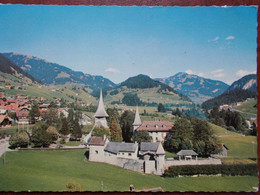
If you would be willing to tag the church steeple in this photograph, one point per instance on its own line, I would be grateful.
(101, 114)
(137, 122)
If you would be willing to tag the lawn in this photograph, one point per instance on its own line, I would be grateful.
(52, 170)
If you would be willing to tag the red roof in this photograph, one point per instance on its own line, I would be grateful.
(12, 107)
(155, 126)
(97, 141)
(22, 114)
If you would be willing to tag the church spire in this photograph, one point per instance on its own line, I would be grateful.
(101, 112)
(137, 122)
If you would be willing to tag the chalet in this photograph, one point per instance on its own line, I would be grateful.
(5, 120)
(22, 117)
(44, 108)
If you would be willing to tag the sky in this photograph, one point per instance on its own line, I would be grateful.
(120, 42)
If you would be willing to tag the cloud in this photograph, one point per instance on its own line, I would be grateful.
(218, 73)
(215, 39)
(189, 71)
(230, 38)
(111, 70)
(241, 73)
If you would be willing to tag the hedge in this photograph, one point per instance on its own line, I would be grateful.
(228, 169)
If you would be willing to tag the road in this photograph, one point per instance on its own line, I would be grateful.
(4, 144)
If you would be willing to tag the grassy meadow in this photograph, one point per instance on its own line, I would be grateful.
(52, 170)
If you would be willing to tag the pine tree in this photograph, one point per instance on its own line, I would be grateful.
(116, 132)
(76, 133)
(34, 112)
(64, 128)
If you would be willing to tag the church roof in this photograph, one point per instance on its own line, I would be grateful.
(137, 120)
(115, 147)
(101, 112)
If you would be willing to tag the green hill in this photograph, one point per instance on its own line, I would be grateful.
(68, 92)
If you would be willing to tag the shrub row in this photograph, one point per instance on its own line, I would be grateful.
(228, 169)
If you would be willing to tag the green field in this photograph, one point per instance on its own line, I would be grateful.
(52, 170)
(240, 146)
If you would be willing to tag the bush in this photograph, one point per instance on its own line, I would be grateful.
(19, 139)
(227, 169)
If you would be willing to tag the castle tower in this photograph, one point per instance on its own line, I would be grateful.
(137, 122)
(100, 115)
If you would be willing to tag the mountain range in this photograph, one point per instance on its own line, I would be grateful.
(198, 89)
(52, 73)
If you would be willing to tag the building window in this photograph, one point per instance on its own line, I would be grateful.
(129, 154)
(96, 151)
(123, 153)
(156, 126)
(147, 126)
(164, 126)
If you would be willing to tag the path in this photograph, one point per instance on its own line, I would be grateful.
(4, 144)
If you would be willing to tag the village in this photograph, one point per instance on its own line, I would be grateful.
(146, 157)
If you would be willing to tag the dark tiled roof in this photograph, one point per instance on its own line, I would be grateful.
(155, 126)
(187, 153)
(147, 146)
(115, 147)
(97, 141)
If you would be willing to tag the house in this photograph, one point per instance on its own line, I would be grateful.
(187, 155)
(22, 117)
(157, 129)
(2, 110)
(84, 120)
(44, 108)
(5, 120)
(64, 111)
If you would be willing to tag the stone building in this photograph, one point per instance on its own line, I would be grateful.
(149, 158)
(101, 114)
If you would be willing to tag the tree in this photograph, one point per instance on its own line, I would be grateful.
(53, 132)
(64, 127)
(126, 124)
(161, 108)
(34, 112)
(112, 113)
(204, 141)
(40, 137)
(19, 139)
(100, 131)
(50, 117)
(70, 119)
(115, 130)
(142, 136)
(180, 137)
(76, 133)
